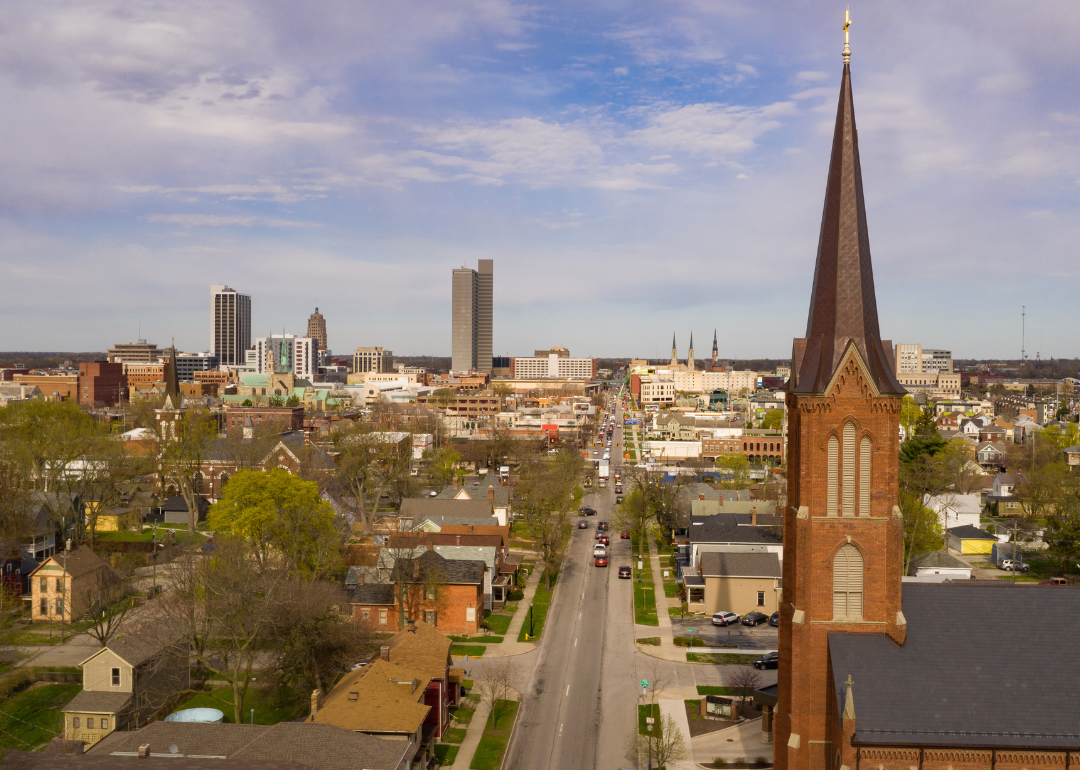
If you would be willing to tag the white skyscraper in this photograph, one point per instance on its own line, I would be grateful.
(300, 355)
(230, 325)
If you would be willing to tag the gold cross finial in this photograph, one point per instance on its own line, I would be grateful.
(847, 23)
(849, 682)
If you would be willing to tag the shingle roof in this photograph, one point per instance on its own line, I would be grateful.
(968, 532)
(478, 492)
(425, 649)
(319, 746)
(766, 565)
(381, 697)
(724, 528)
(80, 562)
(98, 702)
(35, 760)
(374, 594)
(946, 684)
(426, 507)
(445, 521)
(938, 560)
(486, 554)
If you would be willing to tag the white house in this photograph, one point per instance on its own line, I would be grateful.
(954, 510)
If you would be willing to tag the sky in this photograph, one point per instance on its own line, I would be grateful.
(632, 168)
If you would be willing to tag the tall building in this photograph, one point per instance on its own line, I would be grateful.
(843, 547)
(553, 363)
(908, 358)
(471, 318)
(141, 352)
(316, 329)
(374, 360)
(286, 352)
(230, 325)
(189, 363)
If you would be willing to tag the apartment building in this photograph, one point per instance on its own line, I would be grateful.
(374, 360)
(230, 325)
(471, 318)
(286, 352)
(554, 363)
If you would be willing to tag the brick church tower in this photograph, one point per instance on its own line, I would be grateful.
(843, 535)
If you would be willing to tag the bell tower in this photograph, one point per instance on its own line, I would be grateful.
(843, 534)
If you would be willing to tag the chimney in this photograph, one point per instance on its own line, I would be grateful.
(701, 496)
(410, 626)
(384, 653)
(454, 482)
(314, 703)
(144, 751)
(491, 493)
(458, 540)
(753, 516)
(361, 581)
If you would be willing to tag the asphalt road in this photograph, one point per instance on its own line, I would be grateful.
(579, 706)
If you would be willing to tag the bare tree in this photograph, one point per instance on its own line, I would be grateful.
(106, 604)
(744, 681)
(498, 687)
(368, 465)
(184, 449)
(664, 744)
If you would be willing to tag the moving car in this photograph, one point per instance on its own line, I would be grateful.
(1054, 582)
(604, 539)
(774, 620)
(600, 561)
(772, 660)
(583, 524)
(599, 550)
(624, 572)
(588, 511)
(755, 618)
(601, 525)
(618, 499)
(724, 618)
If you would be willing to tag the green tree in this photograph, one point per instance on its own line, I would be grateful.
(773, 419)
(1062, 533)
(293, 400)
(909, 414)
(734, 469)
(922, 526)
(926, 423)
(444, 466)
(279, 515)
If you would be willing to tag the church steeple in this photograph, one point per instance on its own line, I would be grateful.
(715, 349)
(674, 351)
(690, 355)
(173, 398)
(843, 305)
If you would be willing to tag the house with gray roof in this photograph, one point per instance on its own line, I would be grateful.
(420, 508)
(937, 567)
(732, 532)
(734, 581)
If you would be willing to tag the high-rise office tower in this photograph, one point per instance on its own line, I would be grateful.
(230, 325)
(471, 318)
(316, 329)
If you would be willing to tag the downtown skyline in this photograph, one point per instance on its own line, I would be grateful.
(632, 171)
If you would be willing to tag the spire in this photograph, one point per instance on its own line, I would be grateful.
(173, 398)
(690, 355)
(843, 306)
(674, 351)
(849, 701)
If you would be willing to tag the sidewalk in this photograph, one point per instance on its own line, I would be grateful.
(510, 644)
(667, 649)
(473, 733)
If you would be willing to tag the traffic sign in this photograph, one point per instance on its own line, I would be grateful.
(650, 721)
(691, 630)
(644, 682)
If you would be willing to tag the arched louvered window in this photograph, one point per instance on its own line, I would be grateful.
(848, 584)
(864, 477)
(197, 482)
(834, 459)
(849, 470)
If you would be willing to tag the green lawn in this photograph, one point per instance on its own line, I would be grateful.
(444, 754)
(266, 713)
(31, 637)
(541, 602)
(650, 640)
(499, 624)
(489, 753)
(705, 689)
(645, 604)
(720, 658)
(472, 650)
(33, 717)
(454, 735)
(126, 536)
(648, 711)
(462, 715)
(477, 639)
(671, 590)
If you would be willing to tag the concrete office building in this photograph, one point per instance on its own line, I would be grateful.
(316, 329)
(471, 318)
(189, 363)
(555, 363)
(299, 355)
(141, 352)
(374, 360)
(230, 325)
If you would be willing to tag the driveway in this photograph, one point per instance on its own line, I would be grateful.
(751, 638)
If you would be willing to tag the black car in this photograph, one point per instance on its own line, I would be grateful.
(583, 524)
(588, 511)
(774, 620)
(624, 572)
(772, 660)
(755, 618)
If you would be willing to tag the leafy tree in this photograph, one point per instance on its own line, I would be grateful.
(293, 400)
(958, 466)
(734, 469)
(279, 515)
(368, 465)
(909, 414)
(184, 449)
(277, 401)
(922, 526)
(1062, 533)
(444, 466)
(773, 419)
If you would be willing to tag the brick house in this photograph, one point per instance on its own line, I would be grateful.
(65, 583)
(278, 418)
(102, 383)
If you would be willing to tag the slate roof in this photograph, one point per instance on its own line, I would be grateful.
(947, 686)
(426, 507)
(375, 594)
(708, 507)
(968, 532)
(938, 560)
(98, 702)
(724, 528)
(486, 554)
(303, 744)
(766, 565)
(439, 568)
(443, 521)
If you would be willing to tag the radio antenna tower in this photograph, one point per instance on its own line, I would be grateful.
(1023, 332)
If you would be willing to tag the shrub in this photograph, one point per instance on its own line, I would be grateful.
(719, 762)
(515, 595)
(685, 641)
(761, 762)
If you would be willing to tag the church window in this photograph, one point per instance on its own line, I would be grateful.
(849, 470)
(864, 477)
(196, 482)
(848, 584)
(834, 451)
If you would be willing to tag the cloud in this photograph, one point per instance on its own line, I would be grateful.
(811, 75)
(515, 46)
(218, 220)
(714, 129)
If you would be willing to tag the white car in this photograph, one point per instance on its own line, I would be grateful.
(723, 618)
(599, 550)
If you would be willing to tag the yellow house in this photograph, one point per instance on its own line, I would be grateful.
(968, 539)
(67, 582)
(739, 582)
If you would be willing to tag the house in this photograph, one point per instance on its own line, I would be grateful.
(740, 532)
(498, 495)
(968, 539)
(269, 747)
(672, 426)
(124, 685)
(419, 508)
(464, 525)
(1072, 456)
(423, 649)
(445, 593)
(1002, 496)
(64, 585)
(15, 570)
(712, 507)
(971, 427)
(939, 564)
(735, 581)
(486, 554)
(954, 510)
(989, 455)
(992, 433)
(116, 519)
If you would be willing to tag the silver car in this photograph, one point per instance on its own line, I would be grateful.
(724, 618)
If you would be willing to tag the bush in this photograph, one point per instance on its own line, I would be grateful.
(684, 641)
(719, 762)
(761, 762)
(515, 595)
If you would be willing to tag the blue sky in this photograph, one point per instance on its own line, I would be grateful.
(632, 168)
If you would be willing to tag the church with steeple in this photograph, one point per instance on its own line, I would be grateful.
(877, 674)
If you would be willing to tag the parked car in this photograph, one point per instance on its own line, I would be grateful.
(724, 618)
(1054, 582)
(755, 618)
(583, 524)
(1018, 566)
(624, 572)
(600, 561)
(772, 660)
(624, 536)
(774, 620)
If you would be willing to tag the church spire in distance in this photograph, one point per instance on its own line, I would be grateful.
(843, 305)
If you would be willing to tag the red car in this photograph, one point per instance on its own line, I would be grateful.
(625, 536)
(600, 561)
(604, 539)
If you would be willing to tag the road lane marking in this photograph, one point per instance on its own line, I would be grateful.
(567, 689)
(575, 644)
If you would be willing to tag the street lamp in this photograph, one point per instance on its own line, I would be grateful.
(531, 620)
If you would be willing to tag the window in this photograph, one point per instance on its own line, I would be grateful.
(75, 722)
(382, 617)
(849, 470)
(89, 723)
(864, 477)
(834, 451)
(116, 677)
(431, 617)
(44, 608)
(470, 614)
(848, 584)
(58, 586)
(59, 606)
(429, 593)
(104, 723)
(44, 585)
(365, 615)
(760, 598)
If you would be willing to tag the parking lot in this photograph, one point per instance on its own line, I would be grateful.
(746, 637)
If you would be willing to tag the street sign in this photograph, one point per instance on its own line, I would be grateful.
(644, 682)
(650, 721)
(691, 630)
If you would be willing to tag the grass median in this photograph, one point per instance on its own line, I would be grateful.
(489, 753)
(541, 603)
(477, 639)
(643, 713)
(720, 658)
(471, 650)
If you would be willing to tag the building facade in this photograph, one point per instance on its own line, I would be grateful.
(189, 363)
(471, 318)
(101, 383)
(316, 329)
(230, 325)
(373, 360)
(141, 352)
(554, 363)
(286, 352)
